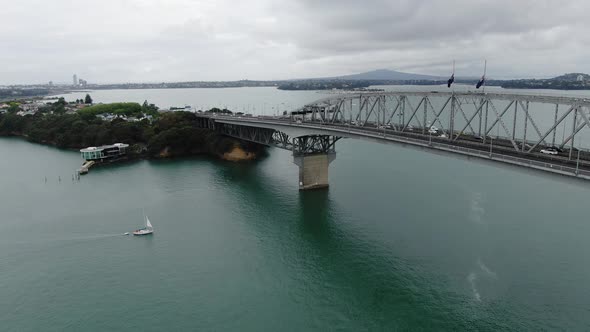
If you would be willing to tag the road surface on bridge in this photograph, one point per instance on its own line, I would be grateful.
(496, 149)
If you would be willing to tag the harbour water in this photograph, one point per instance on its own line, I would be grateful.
(402, 240)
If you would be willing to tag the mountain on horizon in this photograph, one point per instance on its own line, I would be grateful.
(571, 77)
(387, 75)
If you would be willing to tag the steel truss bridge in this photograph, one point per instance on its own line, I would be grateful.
(507, 128)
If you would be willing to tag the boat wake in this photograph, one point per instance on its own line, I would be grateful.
(472, 277)
(84, 238)
(102, 236)
(477, 212)
(485, 269)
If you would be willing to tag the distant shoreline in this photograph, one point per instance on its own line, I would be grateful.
(30, 92)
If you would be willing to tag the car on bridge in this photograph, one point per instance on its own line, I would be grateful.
(551, 151)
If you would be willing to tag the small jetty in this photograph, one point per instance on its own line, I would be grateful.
(85, 167)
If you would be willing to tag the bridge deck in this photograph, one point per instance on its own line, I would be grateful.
(501, 149)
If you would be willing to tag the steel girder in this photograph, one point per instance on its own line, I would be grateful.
(315, 144)
(525, 120)
(303, 145)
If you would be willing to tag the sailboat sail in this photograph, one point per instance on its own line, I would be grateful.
(148, 224)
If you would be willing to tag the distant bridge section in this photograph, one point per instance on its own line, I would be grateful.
(542, 132)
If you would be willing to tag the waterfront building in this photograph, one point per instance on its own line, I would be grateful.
(75, 80)
(104, 152)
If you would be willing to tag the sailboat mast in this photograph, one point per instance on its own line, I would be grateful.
(145, 219)
(485, 66)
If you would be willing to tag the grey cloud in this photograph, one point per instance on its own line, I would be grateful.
(151, 40)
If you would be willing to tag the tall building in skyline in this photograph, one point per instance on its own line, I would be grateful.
(75, 79)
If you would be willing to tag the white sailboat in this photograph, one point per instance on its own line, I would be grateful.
(148, 229)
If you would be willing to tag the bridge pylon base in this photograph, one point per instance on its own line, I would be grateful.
(313, 170)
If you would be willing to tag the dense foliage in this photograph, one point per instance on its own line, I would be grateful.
(177, 133)
(128, 109)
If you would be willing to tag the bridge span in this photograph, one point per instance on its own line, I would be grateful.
(535, 131)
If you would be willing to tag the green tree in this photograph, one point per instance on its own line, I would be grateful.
(59, 106)
(14, 107)
(149, 108)
(87, 99)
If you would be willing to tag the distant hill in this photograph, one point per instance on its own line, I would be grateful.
(572, 77)
(386, 75)
(571, 81)
(361, 81)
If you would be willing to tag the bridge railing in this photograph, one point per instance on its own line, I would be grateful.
(557, 168)
(486, 155)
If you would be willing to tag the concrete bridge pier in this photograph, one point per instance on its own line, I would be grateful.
(313, 170)
(313, 154)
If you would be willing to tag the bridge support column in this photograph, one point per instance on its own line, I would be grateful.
(313, 154)
(313, 170)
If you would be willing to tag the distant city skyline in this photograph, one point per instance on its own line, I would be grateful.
(82, 82)
(116, 41)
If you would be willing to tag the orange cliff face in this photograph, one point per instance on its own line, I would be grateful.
(165, 153)
(238, 154)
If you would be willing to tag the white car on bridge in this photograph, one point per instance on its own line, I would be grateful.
(550, 151)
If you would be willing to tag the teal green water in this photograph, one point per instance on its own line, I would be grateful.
(402, 240)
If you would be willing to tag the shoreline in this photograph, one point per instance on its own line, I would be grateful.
(152, 136)
(236, 155)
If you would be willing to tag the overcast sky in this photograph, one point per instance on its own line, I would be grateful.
(183, 40)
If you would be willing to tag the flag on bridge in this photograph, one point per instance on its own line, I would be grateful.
(451, 80)
(480, 82)
(483, 77)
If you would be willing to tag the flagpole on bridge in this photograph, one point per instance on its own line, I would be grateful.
(452, 79)
(485, 67)
(449, 83)
(482, 81)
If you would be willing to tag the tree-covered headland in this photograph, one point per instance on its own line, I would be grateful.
(150, 133)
